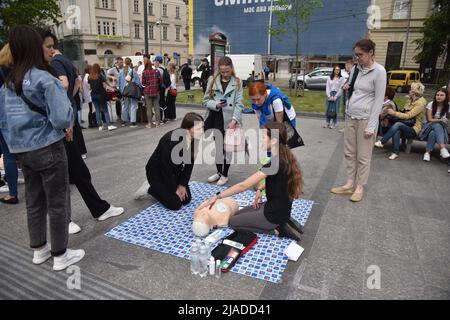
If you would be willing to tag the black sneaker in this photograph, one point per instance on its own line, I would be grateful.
(286, 231)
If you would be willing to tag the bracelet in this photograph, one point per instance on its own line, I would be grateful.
(218, 195)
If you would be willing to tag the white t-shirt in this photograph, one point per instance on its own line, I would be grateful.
(278, 107)
(438, 112)
(140, 71)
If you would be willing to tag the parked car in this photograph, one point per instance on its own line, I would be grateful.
(401, 80)
(316, 79)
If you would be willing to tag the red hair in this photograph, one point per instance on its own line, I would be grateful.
(257, 87)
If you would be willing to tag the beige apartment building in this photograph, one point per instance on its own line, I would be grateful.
(401, 21)
(107, 29)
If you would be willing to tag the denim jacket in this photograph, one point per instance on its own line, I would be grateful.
(123, 82)
(25, 130)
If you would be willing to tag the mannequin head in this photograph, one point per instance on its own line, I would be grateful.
(219, 215)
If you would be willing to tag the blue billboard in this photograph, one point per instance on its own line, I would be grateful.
(333, 28)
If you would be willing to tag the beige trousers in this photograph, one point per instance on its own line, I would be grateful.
(152, 105)
(357, 150)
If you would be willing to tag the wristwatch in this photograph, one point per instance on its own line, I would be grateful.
(218, 195)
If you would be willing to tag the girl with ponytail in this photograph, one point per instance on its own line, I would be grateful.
(284, 183)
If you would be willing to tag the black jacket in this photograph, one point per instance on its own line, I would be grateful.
(161, 167)
(206, 71)
(186, 73)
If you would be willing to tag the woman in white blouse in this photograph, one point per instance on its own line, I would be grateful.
(170, 112)
(334, 93)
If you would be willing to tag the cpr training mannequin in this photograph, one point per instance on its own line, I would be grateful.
(219, 215)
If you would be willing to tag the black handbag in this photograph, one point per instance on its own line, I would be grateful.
(294, 139)
(132, 90)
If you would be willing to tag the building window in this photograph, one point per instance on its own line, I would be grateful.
(99, 28)
(177, 33)
(151, 31)
(177, 12)
(150, 8)
(136, 6)
(164, 9)
(164, 33)
(136, 31)
(394, 55)
(401, 9)
(113, 27)
(106, 29)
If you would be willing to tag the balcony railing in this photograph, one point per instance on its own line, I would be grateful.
(108, 38)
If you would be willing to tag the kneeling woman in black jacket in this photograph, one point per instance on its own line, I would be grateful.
(170, 167)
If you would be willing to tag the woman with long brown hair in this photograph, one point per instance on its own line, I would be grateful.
(170, 112)
(97, 82)
(284, 183)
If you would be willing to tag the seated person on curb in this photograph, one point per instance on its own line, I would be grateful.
(168, 178)
(408, 122)
(283, 184)
(388, 104)
(218, 216)
(435, 130)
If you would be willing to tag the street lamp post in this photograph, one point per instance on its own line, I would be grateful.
(160, 28)
(146, 26)
(269, 37)
(407, 32)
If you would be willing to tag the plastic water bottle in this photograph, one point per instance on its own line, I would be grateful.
(195, 258)
(203, 261)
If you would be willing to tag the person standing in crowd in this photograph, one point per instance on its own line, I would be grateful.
(223, 99)
(141, 68)
(362, 117)
(282, 187)
(87, 98)
(114, 73)
(408, 122)
(34, 98)
(151, 81)
(79, 174)
(186, 74)
(205, 68)
(270, 103)
(267, 71)
(130, 104)
(162, 88)
(334, 92)
(97, 83)
(170, 112)
(436, 128)
(167, 178)
(11, 171)
(348, 68)
(77, 96)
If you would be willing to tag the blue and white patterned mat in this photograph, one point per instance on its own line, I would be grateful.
(170, 232)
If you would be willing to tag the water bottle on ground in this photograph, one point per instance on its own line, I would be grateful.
(204, 261)
(195, 258)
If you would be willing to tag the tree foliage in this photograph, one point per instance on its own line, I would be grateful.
(29, 12)
(293, 17)
(436, 35)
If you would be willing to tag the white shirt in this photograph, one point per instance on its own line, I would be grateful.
(278, 106)
(173, 81)
(437, 115)
(140, 71)
(86, 89)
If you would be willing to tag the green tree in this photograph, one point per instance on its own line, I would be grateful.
(293, 16)
(29, 12)
(436, 35)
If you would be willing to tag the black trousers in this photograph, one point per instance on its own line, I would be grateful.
(78, 137)
(187, 84)
(168, 198)
(162, 103)
(170, 112)
(80, 176)
(118, 109)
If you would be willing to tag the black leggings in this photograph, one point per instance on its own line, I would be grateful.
(222, 159)
(168, 198)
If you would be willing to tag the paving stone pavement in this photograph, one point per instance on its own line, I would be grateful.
(402, 227)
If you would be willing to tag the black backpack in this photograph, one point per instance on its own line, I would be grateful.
(165, 83)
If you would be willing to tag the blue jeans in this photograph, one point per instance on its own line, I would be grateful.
(10, 167)
(436, 135)
(100, 106)
(333, 105)
(129, 110)
(395, 132)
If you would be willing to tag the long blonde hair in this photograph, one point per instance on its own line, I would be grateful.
(172, 69)
(6, 58)
(224, 61)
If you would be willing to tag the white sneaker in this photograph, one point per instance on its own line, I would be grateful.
(142, 192)
(222, 181)
(74, 228)
(378, 144)
(214, 177)
(69, 258)
(111, 212)
(393, 156)
(111, 127)
(42, 255)
(426, 157)
(100, 128)
(84, 156)
(5, 188)
(326, 125)
(444, 153)
(20, 180)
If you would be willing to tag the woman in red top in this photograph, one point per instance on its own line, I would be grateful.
(150, 81)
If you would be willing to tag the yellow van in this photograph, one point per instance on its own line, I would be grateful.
(401, 80)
